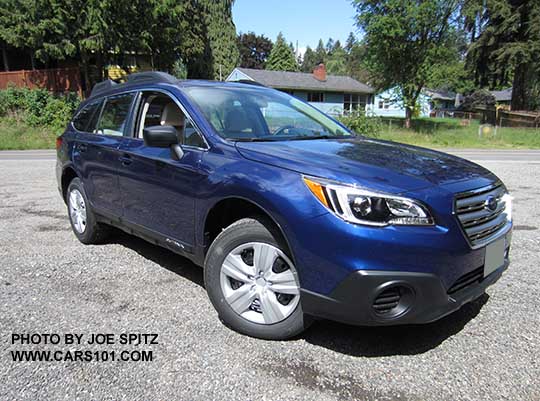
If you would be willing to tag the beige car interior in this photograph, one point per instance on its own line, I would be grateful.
(160, 109)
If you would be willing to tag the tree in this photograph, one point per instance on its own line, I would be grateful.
(254, 50)
(329, 46)
(309, 61)
(27, 25)
(198, 34)
(221, 34)
(505, 47)
(281, 57)
(350, 42)
(479, 98)
(336, 63)
(451, 72)
(404, 40)
(320, 52)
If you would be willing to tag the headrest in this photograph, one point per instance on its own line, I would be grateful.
(172, 115)
(237, 120)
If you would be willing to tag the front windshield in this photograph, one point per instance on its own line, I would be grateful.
(253, 114)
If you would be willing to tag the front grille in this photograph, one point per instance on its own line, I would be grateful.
(480, 223)
(387, 300)
(467, 279)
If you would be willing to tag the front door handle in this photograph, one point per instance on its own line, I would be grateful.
(126, 160)
(82, 147)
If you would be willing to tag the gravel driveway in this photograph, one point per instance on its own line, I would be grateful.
(50, 283)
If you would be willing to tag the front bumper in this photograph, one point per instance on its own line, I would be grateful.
(423, 300)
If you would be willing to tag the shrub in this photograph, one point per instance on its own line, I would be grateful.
(478, 99)
(38, 107)
(424, 125)
(360, 123)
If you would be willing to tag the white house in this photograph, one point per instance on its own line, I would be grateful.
(431, 103)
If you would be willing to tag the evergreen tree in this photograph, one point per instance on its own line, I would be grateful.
(320, 52)
(254, 50)
(350, 42)
(221, 35)
(337, 60)
(309, 61)
(329, 46)
(507, 49)
(356, 66)
(281, 57)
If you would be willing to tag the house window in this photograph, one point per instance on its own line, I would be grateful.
(315, 97)
(381, 104)
(353, 102)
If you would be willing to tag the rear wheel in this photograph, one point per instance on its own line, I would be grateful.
(253, 283)
(82, 219)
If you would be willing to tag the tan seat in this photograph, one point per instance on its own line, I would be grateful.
(172, 115)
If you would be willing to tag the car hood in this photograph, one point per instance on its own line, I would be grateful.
(382, 165)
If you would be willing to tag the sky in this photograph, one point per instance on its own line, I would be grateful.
(305, 21)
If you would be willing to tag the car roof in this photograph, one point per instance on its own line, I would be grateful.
(155, 79)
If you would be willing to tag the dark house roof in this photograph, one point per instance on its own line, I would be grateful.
(306, 81)
(503, 96)
(438, 94)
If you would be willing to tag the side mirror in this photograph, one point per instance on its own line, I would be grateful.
(163, 136)
(160, 136)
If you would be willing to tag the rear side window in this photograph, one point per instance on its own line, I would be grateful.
(115, 114)
(87, 117)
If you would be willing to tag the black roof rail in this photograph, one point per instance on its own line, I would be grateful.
(103, 86)
(249, 82)
(151, 76)
(139, 77)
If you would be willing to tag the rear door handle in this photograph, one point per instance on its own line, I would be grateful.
(126, 160)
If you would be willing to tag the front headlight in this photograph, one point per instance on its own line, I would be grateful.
(362, 206)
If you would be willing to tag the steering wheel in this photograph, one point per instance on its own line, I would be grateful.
(281, 129)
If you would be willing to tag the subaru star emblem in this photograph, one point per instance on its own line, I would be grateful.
(491, 203)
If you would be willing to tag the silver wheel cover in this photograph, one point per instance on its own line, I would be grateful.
(77, 210)
(257, 297)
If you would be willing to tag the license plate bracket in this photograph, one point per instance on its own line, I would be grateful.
(494, 256)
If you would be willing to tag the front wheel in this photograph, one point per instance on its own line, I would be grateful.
(253, 283)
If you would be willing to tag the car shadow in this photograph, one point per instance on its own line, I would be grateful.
(169, 260)
(351, 340)
(391, 340)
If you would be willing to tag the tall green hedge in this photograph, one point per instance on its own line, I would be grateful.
(38, 107)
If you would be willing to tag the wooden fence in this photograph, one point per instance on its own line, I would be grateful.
(506, 118)
(57, 80)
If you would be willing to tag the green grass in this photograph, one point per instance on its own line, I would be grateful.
(466, 137)
(16, 135)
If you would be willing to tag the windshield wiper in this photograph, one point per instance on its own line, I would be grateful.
(289, 138)
(305, 138)
(254, 139)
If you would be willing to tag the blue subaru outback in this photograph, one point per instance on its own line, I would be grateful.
(292, 216)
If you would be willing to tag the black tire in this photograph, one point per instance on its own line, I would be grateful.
(241, 232)
(94, 232)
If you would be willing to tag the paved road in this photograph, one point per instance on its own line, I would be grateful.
(38, 155)
(50, 283)
(498, 155)
(527, 156)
